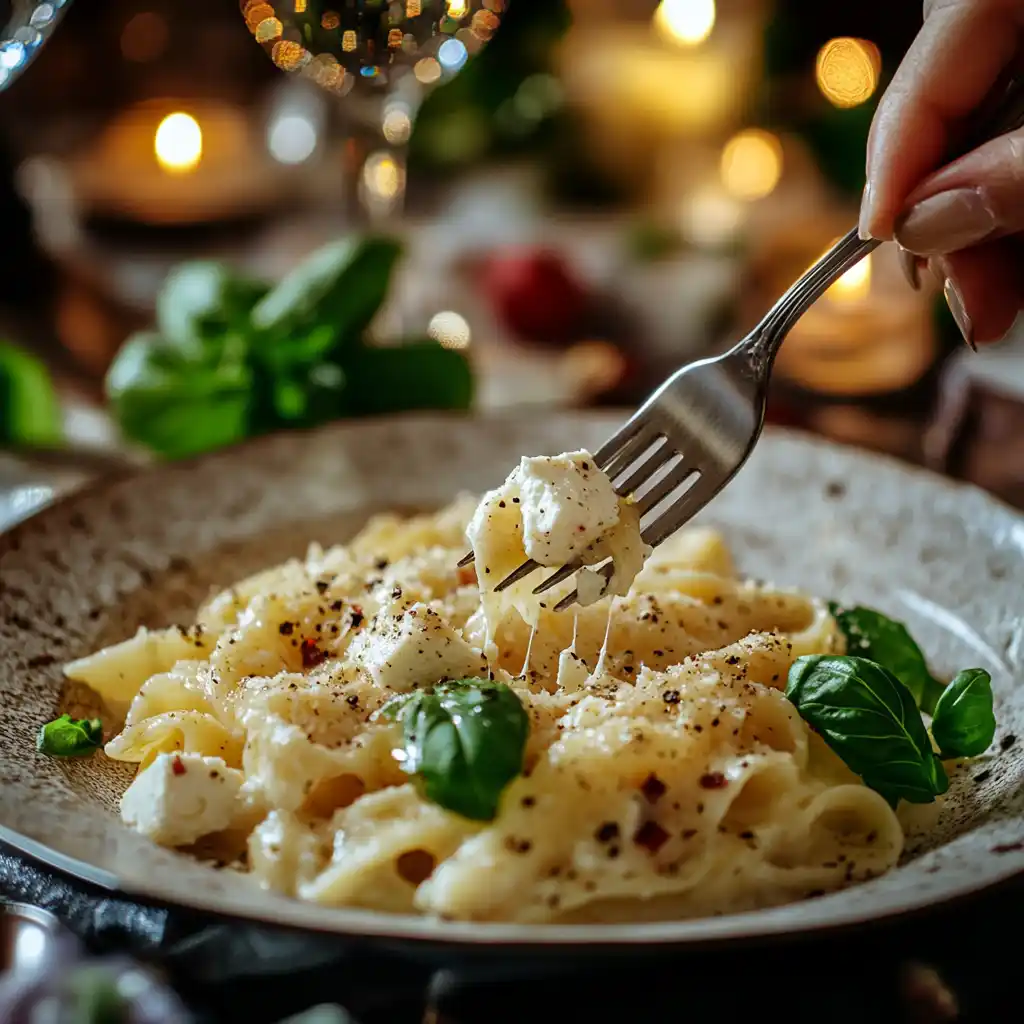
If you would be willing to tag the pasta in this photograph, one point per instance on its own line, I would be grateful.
(664, 773)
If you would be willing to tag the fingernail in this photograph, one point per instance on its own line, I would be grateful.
(947, 222)
(908, 264)
(866, 202)
(956, 306)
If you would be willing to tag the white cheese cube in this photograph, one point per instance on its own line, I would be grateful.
(180, 798)
(415, 647)
(566, 504)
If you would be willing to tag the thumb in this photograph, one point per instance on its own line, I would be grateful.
(978, 198)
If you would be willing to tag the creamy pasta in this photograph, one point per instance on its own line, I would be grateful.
(664, 773)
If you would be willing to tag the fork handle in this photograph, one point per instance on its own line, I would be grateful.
(1003, 113)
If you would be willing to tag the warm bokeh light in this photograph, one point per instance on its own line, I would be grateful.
(711, 217)
(382, 176)
(178, 143)
(427, 71)
(268, 30)
(847, 71)
(688, 22)
(450, 329)
(457, 8)
(396, 126)
(854, 285)
(751, 164)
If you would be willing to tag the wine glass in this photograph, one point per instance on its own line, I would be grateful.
(383, 56)
(24, 26)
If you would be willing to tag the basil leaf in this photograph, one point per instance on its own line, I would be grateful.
(70, 737)
(341, 285)
(465, 741)
(201, 302)
(964, 724)
(874, 636)
(416, 375)
(29, 407)
(868, 718)
(180, 403)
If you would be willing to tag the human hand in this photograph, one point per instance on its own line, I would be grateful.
(964, 220)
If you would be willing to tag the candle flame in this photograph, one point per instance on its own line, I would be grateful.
(178, 143)
(686, 22)
(854, 285)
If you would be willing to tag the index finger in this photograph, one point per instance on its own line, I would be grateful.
(949, 70)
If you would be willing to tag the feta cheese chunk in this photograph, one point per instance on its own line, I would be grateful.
(180, 798)
(566, 504)
(415, 647)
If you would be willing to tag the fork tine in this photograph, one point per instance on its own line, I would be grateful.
(464, 561)
(631, 450)
(517, 574)
(570, 599)
(683, 509)
(556, 577)
(665, 486)
(659, 456)
(628, 430)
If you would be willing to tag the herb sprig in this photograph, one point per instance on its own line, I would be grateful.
(231, 357)
(867, 707)
(465, 741)
(70, 737)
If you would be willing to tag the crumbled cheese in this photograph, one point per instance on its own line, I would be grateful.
(180, 798)
(415, 647)
(566, 504)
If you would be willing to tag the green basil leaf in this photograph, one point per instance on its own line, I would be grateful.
(201, 302)
(417, 375)
(178, 403)
(869, 719)
(964, 723)
(465, 741)
(874, 636)
(29, 407)
(340, 286)
(70, 737)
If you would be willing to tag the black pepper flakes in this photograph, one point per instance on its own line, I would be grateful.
(607, 832)
(650, 836)
(713, 780)
(653, 788)
(670, 696)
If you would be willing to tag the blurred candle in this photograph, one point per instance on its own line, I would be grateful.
(863, 336)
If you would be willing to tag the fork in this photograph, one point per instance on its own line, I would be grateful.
(695, 432)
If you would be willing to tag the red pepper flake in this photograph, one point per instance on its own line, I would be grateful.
(651, 836)
(653, 788)
(466, 575)
(177, 766)
(713, 780)
(311, 654)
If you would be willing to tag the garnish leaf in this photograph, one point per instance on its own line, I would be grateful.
(875, 637)
(869, 719)
(465, 741)
(202, 302)
(70, 737)
(29, 406)
(413, 375)
(180, 402)
(343, 285)
(964, 724)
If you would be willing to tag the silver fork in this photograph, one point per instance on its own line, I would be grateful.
(695, 432)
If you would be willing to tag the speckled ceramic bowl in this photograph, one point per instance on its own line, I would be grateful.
(946, 559)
